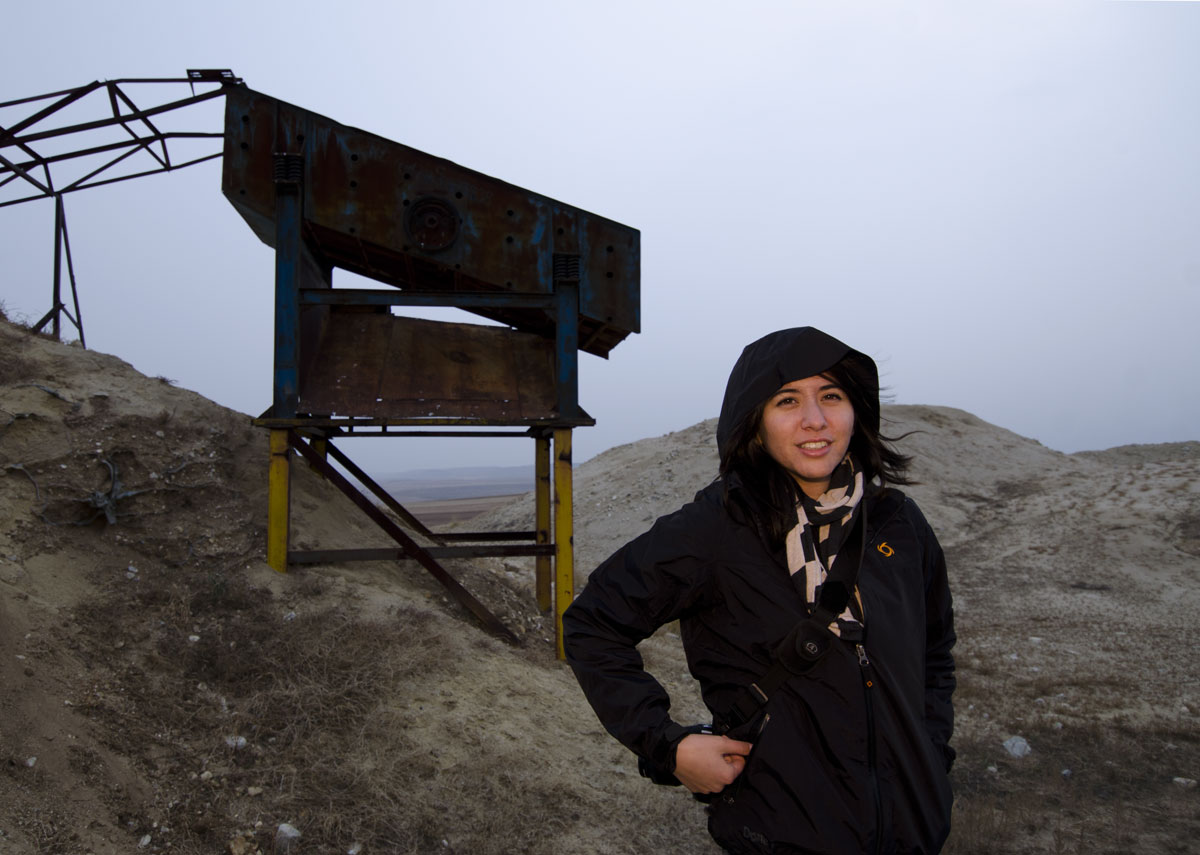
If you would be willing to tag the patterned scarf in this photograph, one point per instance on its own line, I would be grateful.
(812, 545)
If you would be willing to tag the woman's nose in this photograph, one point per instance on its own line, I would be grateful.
(812, 417)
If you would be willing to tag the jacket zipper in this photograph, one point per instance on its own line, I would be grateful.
(868, 678)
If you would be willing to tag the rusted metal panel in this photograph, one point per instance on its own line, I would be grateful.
(373, 364)
(420, 222)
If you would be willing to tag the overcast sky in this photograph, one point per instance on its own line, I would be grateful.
(1000, 202)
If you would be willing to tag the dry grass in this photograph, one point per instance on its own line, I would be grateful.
(1093, 786)
(330, 705)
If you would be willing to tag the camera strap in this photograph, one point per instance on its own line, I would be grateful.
(810, 639)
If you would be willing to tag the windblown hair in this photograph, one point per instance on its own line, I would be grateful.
(766, 495)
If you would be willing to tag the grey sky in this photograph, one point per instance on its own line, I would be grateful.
(998, 201)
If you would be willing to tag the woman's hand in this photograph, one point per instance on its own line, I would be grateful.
(705, 763)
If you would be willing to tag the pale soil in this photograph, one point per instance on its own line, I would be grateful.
(375, 711)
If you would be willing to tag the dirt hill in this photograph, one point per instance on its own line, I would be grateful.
(161, 689)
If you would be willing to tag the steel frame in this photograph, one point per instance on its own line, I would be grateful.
(292, 432)
(303, 278)
(20, 160)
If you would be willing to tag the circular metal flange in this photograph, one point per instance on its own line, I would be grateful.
(432, 224)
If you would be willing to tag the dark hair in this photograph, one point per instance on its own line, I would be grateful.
(766, 495)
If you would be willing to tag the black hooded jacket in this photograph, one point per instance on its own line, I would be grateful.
(855, 753)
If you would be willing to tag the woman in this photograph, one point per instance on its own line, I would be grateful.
(829, 683)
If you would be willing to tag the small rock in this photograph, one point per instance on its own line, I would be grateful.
(144, 842)
(355, 849)
(30, 762)
(1017, 746)
(193, 638)
(206, 775)
(1058, 725)
(1066, 773)
(242, 845)
(286, 837)
(237, 743)
(254, 791)
(993, 769)
(290, 616)
(1186, 783)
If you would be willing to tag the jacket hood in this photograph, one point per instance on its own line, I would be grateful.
(779, 358)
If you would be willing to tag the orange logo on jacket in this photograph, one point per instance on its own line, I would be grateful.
(885, 549)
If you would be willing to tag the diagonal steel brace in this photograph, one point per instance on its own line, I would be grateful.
(411, 547)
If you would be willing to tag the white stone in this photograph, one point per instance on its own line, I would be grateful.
(1017, 746)
(1186, 783)
(286, 836)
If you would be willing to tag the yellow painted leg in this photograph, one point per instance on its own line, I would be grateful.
(277, 502)
(542, 519)
(564, 534)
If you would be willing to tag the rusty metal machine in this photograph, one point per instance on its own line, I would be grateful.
(432, 233)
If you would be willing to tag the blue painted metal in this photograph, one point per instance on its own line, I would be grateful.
(566, 348)
(288, 260)
(459, 299)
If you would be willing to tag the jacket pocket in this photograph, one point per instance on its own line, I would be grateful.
(751, 732)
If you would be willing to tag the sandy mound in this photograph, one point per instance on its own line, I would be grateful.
(159, 686)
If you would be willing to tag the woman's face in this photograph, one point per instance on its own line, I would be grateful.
(806, 428)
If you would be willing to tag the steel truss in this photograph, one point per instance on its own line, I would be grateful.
(142, 149)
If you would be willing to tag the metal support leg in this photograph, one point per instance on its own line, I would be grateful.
(542, 518)
(564, 534)
(278, 488)
(56, 297)
(289, 248)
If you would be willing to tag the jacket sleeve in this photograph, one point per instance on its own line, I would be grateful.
(939, 642)
(650, 581)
